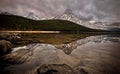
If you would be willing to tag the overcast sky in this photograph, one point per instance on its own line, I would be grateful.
(101, 10)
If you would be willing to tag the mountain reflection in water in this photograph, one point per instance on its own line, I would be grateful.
(93, 54)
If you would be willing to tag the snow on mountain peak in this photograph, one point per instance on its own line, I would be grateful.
(68, 11)
(31, 15)
(69, 15)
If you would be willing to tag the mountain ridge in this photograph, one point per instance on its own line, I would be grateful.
(69, 16)
(20, 23)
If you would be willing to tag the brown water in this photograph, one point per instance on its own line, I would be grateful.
(94, 54)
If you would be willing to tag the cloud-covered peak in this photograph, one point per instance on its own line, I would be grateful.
(68, 11)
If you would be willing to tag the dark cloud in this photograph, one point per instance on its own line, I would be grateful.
(100, 10)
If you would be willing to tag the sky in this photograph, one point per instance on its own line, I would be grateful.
(99, 10)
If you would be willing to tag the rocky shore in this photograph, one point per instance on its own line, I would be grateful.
(6, 40)
(26, 56)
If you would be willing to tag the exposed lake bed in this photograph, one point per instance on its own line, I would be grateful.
(63, 53)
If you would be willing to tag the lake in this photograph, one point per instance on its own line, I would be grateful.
(63, 54)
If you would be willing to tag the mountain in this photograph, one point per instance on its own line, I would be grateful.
(68, 15)
(31, 15)
(5, 13)
(115, 25)
(21, 23)
(114, 29)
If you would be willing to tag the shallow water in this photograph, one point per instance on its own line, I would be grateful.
(97, 54)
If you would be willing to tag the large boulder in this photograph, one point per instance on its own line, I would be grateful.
(5, 47)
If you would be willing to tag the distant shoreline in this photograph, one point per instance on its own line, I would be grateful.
(29, 31)
(56, 32)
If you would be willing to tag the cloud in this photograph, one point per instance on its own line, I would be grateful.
(100, 10)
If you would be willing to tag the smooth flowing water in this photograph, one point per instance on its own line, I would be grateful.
(83, 53)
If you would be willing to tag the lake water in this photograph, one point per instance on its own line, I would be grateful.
(83, 53)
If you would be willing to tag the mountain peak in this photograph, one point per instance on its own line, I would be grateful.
(67, 15)
(31, 15)
(5, 13)
(68, 11)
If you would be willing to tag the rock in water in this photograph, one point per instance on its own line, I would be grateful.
(55, 69)
(5, 47)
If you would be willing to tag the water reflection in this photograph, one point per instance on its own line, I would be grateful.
(93, 55)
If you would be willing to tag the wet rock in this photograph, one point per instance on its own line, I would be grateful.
(55, 69)
(9, 36)
(5, 47)
(19, 56)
